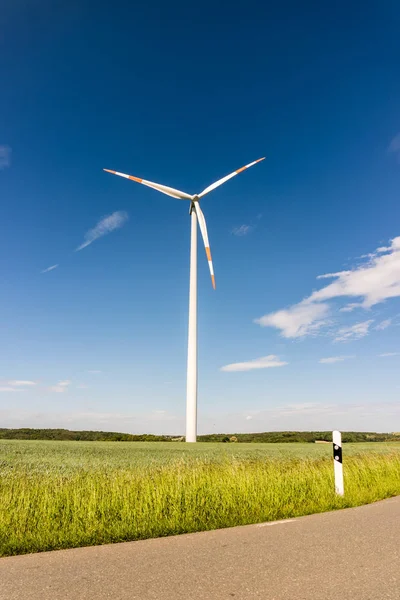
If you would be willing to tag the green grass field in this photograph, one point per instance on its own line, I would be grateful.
(67, 494)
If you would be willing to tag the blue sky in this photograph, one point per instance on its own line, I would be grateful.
(183, 95)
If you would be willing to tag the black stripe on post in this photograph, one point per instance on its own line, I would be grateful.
(337, 453)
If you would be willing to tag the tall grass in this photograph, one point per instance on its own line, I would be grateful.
(45, 506)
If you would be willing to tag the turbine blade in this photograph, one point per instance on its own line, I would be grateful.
(221, 181)
(156, 186)
(203, 229)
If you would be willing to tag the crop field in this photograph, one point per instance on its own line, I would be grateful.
(67, 494)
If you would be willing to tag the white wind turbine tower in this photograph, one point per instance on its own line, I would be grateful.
(196, 214)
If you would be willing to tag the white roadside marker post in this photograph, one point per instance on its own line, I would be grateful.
(338, 462)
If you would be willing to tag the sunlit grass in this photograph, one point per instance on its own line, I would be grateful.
(68, 494)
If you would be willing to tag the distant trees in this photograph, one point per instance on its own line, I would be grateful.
(274, 437)
(78, 436)
(271, 437)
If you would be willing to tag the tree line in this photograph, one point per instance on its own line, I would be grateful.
(77, 436)
(266, 437)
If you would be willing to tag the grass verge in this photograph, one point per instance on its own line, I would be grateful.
(48, 509)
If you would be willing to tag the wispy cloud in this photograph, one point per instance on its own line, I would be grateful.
(350, 307)
(147, 422)
(330, 275)
(333, 359)
(103, 227)
(61, 386)
(265, 362)
(383, 325)
(5, 157)
(304, 407)
(353, 332)
(242, 230)
(373, 282)
(394, 146)
(49, 269)
(298, 320)
(245, 229)
(7, 388)
(346, 415)
(94, 372)
(300, 415)
(21, 382)
(386, 354)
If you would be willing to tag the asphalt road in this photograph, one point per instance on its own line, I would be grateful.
(352, 554)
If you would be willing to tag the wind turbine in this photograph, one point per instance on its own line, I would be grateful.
(196, 215)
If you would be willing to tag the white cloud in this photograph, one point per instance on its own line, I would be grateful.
(7, 388)
(5, 157)
(331, 275)
(353, 332)
(325, 416)
(297, 321)
(242, 230)
(333, 359)
(394, 146)
(103, 227)
(248, 418)
(168, 424)
(308, 416)
(373, 282)
(303, 407)
(49, 269)
(266, 362)
(82, 386)
(61, 387)
(390, 354)
(384, 324)
(94, 372)
(350, 307)
(18, 382)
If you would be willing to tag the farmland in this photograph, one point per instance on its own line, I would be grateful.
(68, 494)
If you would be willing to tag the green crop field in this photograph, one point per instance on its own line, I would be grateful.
(67, 494)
